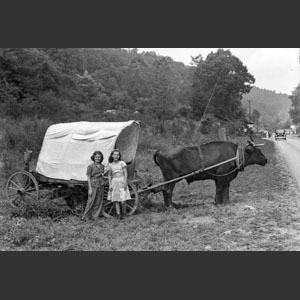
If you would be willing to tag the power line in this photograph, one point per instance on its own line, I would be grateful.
(200, 122)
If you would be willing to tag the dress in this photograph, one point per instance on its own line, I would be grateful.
(94, 203)
(119, 193)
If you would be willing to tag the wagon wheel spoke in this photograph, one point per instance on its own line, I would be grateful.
(13, 197)
(108, 207)
(20, 184)
(18, 197)
(132, 204)
(28, 185)
(128, 205)
(30, 190)
(19, 187)
(13, 194)
(107, 203)
(110, 210)
(12, 188)
(28, 196)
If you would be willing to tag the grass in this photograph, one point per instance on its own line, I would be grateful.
(262, 215)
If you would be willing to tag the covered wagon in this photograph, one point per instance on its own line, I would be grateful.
(65, 155)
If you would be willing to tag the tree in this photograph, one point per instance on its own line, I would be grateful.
(26, 73)
(223, 78)
(255, 115)
(295, 106)
(162, 104)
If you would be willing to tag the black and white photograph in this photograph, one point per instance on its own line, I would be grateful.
(150, 149)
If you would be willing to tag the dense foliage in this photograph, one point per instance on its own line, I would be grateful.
(64, 84)
(70, 84)
(295, 106)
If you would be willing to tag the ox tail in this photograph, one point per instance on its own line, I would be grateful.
(155, 158)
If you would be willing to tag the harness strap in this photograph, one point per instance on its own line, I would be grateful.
(201, 157)
(201, 162)
(240, 158)
(239, 161)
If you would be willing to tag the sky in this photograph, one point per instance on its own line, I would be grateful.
(275, 69)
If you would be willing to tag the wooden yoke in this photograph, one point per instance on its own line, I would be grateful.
(240, 158)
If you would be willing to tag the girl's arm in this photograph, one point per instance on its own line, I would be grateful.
(89, 184)
(105, 171)
(125, 176)
(109, 178)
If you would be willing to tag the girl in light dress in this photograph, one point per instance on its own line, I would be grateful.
(117, 178)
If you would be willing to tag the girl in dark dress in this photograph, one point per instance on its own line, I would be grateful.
(95, 187)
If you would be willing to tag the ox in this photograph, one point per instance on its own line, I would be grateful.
(179, 161)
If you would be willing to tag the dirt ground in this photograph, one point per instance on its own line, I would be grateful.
(263, 215)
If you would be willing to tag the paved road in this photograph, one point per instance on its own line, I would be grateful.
(290, 150)
(1, 137)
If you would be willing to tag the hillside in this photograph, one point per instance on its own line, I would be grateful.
(273, 107)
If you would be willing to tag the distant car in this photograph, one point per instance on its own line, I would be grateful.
(280, 134)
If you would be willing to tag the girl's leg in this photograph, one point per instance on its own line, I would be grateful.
(97, 207)
(88, 207)
(118, 210)
(124, 208)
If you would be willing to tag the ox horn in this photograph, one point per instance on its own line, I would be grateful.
(255, 145)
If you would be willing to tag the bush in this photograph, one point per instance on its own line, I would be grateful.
(26, 134)
(19, 136)
(46, 207)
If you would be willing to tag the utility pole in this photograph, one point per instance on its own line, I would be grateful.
(249, 110)
(83, 60)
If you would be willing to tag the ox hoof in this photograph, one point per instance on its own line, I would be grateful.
(220, 203)
(177, 205)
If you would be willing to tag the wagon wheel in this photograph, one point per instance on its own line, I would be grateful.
(22, 187)
(109, 209)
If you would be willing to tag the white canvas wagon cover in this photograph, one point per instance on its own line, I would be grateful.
(67, 147)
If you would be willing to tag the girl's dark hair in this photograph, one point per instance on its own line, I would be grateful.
(110, 159)
(95, 153)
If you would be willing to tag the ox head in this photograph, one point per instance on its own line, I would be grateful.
(254, 154)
